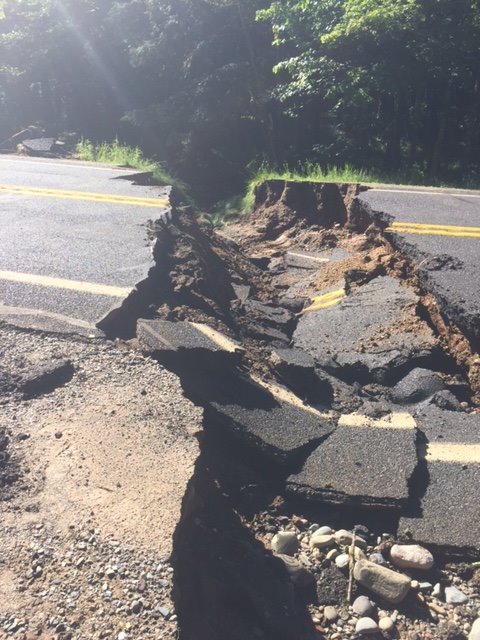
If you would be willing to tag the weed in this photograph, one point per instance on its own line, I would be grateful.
(122, 155)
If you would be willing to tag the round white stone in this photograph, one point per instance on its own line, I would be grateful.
(411, 556)
(386, 625)
(475, 630)
(366, 626)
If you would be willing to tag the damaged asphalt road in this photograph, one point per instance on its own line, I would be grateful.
(329, 368)
(74, 240)
(439, 232)
(303, 330)
(332, 394)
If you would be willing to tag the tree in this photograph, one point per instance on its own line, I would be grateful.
(396, 79)
(206, 107)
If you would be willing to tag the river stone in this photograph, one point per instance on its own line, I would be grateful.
(455, 596)
(377, 558)
(332, 554)
(342, 561)
(366, 627)
(359, 554)
(363, 607)
(344, 537)
(411, 556)
(324, 531)
(475, 631)
(388, 584)
(319, 541)
(330, 613)
(386, 624)
(298, 574)
(285, 542)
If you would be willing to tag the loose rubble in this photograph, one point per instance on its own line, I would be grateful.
(394, 602)
(62, 577)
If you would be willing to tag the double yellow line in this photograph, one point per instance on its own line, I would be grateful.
(435, 230)
(326, 301)
(85, 196)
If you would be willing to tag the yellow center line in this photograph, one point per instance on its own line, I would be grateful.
(447, 227)
(61, 283)
(339, 293)
(435, 229)
(392, 421)
(325, 301)
(460, 453)
(216, 337)
(157, 203)
(285, 395)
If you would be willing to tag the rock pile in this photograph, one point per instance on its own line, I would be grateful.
(398, 589)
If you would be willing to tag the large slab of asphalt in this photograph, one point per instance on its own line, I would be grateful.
(367, 335)
(365, 462)
(444, 509)
(448, 265)
(80, 238)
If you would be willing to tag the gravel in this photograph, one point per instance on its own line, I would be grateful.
(87, 600)
(425, 614)
(102, 463)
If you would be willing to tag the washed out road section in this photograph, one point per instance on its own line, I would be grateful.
(79, 225)
(440, 233)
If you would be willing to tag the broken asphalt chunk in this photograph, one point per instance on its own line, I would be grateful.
(270, 314)
(416, 386)
(444, 510)
(180, 339)
(297, 259)
(272, 419)
(443, 269)
(447, 515)
(42, 147)
(364, 462)
(368, 335)
(297, 370)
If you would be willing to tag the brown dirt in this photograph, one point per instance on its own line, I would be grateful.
(407, 323)
(455, 343)
(289, 213)
(103, 465)
(103, 445)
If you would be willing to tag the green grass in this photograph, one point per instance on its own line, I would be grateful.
(226, 211)
(124, 156)
(307, 172)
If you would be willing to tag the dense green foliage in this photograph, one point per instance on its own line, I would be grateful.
(396, 81)
(390, 86)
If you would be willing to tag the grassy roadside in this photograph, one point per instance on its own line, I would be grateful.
(307, 172)
(125, 156)
(310, 172)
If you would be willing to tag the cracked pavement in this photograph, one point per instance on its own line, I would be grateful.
(332, 350)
